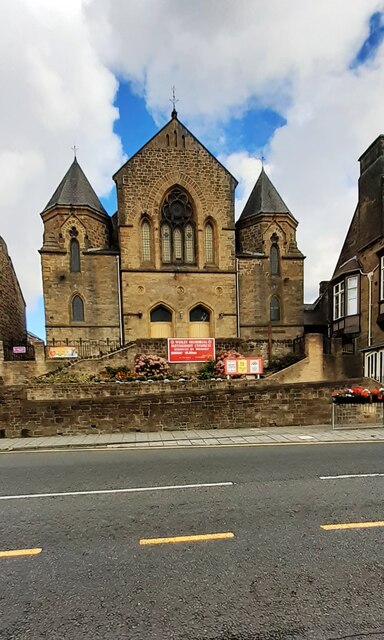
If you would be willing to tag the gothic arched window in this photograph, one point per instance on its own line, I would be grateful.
(199, 314)
(177, 230)
(77, 309)
(74, 250)
(274, 260)
(161, 314)
(146, 241)
(274, 313)
(209, 250)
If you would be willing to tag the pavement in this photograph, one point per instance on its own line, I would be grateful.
(198, 438)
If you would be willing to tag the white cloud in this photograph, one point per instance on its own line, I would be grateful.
(246, 169)
(58, 68)
(55, 92)
(293, 56)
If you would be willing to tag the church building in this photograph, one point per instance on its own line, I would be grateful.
(171, 262)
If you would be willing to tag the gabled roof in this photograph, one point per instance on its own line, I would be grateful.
(347, 267)
(264, 198)
(169, 123)
(76, 190)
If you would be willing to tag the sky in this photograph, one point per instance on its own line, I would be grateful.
(300, 83)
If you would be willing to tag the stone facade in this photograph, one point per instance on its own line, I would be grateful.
(258, 284)
(171, 262)
(12, 306)
(92, 276)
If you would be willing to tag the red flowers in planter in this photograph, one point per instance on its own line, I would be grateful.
(357, 395)
(377, 395)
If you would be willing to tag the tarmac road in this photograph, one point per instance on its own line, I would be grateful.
(273, 573)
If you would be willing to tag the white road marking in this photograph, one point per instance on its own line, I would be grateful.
(206, 485)
(353, 475)
(306, 437)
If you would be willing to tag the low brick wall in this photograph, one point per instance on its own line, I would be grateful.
(107, 408)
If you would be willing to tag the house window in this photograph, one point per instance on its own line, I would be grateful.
(338, 300)
(209, 259)
(345, 298)
(146, 241)
(77, 309)
(74, 250)
(374, 365)
(178, 230)
(274, 260)
(274, 309)
(382, 278)
(352, 296)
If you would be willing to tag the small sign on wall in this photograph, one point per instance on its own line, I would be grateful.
(191, 349)
(244, 366)
(19, 349)
(62, 352)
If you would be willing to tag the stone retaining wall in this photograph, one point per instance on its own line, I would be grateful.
(107, 408)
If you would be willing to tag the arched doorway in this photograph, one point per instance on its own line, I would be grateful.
(199, 322)
(161, 322)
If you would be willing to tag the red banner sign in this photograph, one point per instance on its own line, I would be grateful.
(191, 349)
(244, 366)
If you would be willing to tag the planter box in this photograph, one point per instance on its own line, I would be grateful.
(352, 415)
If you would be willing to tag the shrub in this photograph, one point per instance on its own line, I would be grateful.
(151, 366)
(208, 371)
(276, 364)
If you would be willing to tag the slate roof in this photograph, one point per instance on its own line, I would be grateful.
(75, 189)
(264, 198)
(347, 267)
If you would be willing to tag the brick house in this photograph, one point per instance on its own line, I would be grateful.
(350, 306)
(171, 261)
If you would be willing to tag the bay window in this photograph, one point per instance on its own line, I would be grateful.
(345, 298)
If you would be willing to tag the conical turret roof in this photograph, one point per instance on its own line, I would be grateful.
(76, 190)
(264, 198)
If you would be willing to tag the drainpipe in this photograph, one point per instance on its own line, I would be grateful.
(237, 300)
(369, 275)
(121, 327)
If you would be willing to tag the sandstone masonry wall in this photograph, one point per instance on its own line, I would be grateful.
(110, 408)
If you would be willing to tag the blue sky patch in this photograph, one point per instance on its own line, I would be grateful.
(370, 46)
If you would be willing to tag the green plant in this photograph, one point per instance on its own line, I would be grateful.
(276, 364)
(208, 370)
